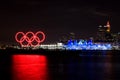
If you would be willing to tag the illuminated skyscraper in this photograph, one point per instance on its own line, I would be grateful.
(103, 34)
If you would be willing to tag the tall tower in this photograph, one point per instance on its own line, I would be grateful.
(104, 34)
(108, 26)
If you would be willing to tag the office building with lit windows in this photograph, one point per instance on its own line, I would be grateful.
(104, 33)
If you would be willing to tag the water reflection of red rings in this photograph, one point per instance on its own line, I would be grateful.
(30, 38)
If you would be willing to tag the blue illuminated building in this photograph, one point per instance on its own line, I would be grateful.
(86, 45)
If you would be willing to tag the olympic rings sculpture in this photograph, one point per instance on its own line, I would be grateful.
(30, 39)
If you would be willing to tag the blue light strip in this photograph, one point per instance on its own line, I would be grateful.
(86, 45)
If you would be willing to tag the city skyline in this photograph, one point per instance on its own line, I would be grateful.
(56, 18)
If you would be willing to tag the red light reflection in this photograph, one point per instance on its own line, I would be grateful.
(29, 67)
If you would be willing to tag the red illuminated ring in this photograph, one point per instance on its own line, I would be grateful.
(43, 36)
(29, 39)
(16, 36)
(35, 39)
(24, 45)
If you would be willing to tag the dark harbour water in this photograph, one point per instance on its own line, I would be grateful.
(105, 66)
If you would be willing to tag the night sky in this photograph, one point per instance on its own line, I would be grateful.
(57, 18)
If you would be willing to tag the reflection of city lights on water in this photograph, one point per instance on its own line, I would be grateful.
(87, 45)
